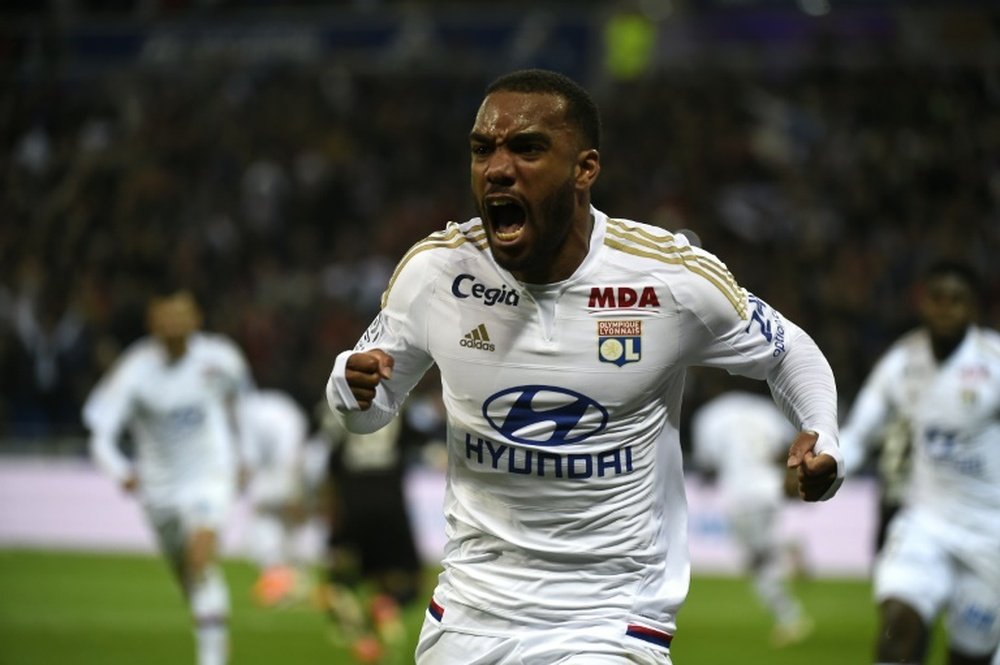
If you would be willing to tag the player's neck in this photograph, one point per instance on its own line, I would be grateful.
(175, 348)
(944, 347)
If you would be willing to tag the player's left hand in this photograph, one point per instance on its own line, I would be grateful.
(816, 473)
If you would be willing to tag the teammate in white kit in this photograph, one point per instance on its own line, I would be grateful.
(741, 439)
(562, 337)
(273, 430)
(942, 553)
(175, 393)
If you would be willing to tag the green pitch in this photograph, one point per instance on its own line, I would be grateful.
(78, 609)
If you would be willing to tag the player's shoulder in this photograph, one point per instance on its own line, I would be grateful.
(909, 343)
(426, 258)
(213, 342)
(140, 353)
(645, 242)
(455, 239)
(216, 347)
(988, 340)
(672, 259)
(140, 360)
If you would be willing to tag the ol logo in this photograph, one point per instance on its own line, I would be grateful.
(619, 342)
(544, 415)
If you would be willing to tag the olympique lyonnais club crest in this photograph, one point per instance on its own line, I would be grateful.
(619, 342)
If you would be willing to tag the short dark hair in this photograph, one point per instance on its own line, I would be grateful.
(581, 110)
(954, 268)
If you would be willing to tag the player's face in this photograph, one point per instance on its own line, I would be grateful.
(531, 183)
(173, 318)
(947, 306)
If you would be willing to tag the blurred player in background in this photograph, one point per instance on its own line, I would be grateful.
(374, 568)
(274, 430)
(942, 551)
(892, 447)
(176, 393)
(740, 440)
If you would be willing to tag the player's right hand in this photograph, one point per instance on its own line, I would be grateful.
(364, 371)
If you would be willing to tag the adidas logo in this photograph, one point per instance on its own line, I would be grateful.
(478, 338)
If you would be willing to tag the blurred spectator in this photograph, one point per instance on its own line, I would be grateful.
(48, 363)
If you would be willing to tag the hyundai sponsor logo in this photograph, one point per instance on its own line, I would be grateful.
(545, 463)
(544, 415)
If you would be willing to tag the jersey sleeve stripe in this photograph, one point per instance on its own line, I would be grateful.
(703, 266)
(447, 239)
(642, 237)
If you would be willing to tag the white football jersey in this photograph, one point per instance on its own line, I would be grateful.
(565, 496)
(744, 438)
(273, 429)
(177, 414)
(953, 412)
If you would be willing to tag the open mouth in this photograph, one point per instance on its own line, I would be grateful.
(507, 217)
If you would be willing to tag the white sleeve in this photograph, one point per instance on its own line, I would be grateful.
(744, 335)
(867, 415)
(239, 388)
(105, 413)
(399, 330)
(804, 388)
(240, 379)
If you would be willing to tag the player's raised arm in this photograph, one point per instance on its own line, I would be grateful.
(105, 413)
(369, 383)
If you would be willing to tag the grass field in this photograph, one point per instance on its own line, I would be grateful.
(79, 609)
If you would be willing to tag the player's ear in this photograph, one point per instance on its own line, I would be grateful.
(588, 165)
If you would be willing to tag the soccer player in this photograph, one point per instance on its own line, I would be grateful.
(562, 336)
(175, 392)
(273, 430)
(740, 440)
(942, 552)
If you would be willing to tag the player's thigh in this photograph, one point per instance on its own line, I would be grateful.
(755, 527)
(205, 507)
(973, 615)
(167, 525)
(439, 646)
(608, 644)
(630, 655)
(275, 487)
(914, 567)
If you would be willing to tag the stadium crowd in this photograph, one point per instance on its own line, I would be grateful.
(283, 196)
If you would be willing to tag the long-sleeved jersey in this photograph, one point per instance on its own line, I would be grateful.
(564, 503)
(952, 410)
(177, 413)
